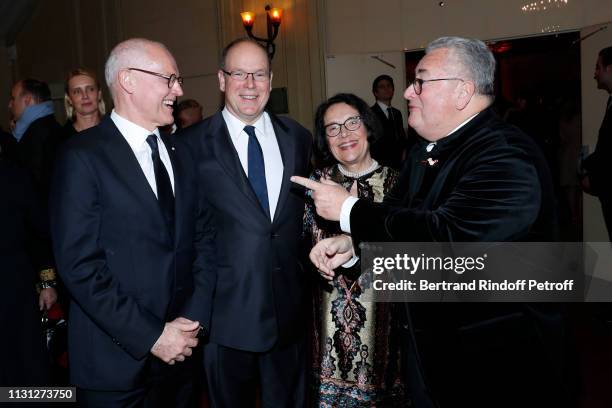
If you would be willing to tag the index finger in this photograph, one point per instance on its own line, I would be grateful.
(306, 182)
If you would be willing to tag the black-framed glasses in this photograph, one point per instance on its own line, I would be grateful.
(172, 79)
(418, 83)
(353, 123)
(259, 76)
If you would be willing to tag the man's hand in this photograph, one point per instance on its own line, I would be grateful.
(330, 253)
(176, 341)
(327, 195)
(47, 298)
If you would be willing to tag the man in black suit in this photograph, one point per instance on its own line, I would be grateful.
(390, 148)
(245, 157)
(37, 132)
(598, 166)
(124, 224)
(25, 250)
(475, 178)
(38, 135)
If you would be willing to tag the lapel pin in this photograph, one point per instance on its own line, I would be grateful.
(430, 162)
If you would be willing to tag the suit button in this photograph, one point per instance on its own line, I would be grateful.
(274, 235)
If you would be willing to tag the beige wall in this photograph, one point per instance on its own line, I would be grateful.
(63, 34)
(298, 62)
(189, 28)
(358, 29)
(363, 26)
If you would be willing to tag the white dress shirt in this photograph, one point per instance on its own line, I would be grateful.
(383, 106)
(136, 137)
(273, 162)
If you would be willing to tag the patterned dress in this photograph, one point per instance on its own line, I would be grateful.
(355, 344)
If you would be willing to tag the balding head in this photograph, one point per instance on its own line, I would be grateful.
(144, 81)
(135, 52)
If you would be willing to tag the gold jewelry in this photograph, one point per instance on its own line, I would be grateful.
(47, 275)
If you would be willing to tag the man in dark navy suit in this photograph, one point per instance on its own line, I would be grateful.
(245, 157)
(125, 227)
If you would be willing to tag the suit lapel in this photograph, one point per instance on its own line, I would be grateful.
(286, 145)
(227, 157)
(128, 169)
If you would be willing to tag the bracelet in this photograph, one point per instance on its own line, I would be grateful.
(47, 275)
(48, 284)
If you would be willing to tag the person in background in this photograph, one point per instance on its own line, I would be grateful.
(37, 132)
(24, 251)
(390, 148)
(598, 166)
(38, 136)
(356, 357)
(83, 101)
(188, 112)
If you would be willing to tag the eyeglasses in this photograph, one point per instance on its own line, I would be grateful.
(418, 83)
(172, 79)
(259, 76)
(353, 123)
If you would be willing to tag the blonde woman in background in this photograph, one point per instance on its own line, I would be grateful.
(83, 101)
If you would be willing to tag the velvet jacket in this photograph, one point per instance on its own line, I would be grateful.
(485, 182)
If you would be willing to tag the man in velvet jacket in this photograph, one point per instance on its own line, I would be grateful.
(245, 157)
(475, 178)
(124, 224)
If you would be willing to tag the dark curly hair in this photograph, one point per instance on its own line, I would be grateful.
(322, 154)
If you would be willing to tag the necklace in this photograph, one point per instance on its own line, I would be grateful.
(373, 166)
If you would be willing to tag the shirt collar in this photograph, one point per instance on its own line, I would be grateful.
(430, 145)
(236, 126)
(462, 124)
(135, 135)
(383, 106)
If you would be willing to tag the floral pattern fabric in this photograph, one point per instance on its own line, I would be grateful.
(355, 344)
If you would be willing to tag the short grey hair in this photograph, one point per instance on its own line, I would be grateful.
(130, 53)
(476, 60)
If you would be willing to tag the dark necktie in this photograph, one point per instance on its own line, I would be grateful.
(390, 113)
(257, 170)
(165, 197)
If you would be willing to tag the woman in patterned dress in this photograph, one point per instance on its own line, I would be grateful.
(355, 344)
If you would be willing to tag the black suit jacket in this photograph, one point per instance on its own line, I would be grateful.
(490, 183)
(388, 150)
(24, 232)
(37, 150)
(599, 164)
(259, 282)
(115, 253)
